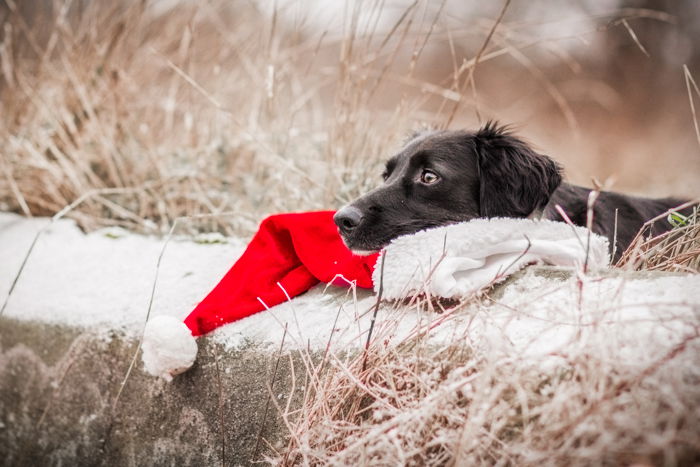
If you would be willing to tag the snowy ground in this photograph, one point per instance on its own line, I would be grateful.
(104, 280)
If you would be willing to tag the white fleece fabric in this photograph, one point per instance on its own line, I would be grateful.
(460, 259)
(168, 347)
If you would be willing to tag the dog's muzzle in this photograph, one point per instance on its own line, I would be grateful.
(348, 219)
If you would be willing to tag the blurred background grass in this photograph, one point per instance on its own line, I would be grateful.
(151, 110)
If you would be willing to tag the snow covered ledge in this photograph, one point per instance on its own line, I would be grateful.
(71, 327)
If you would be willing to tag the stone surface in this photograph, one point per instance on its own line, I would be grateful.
(59, 406)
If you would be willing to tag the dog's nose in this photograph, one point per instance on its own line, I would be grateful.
(348, 218)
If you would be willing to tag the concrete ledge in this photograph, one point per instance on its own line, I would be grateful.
(58, 386)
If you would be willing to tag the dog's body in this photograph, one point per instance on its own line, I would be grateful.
(631, 211)
(444, 177)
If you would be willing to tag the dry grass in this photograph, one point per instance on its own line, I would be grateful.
(416, 403)
(206, 109)
(676, 250)
(220, 106)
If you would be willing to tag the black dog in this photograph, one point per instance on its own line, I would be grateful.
(443, 177)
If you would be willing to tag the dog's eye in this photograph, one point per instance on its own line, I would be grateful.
(429, 177)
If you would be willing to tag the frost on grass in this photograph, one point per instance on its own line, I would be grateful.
(576, 372)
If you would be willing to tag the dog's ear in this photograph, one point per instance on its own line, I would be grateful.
(514, 181)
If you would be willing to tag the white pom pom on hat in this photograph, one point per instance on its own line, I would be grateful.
(168, 347)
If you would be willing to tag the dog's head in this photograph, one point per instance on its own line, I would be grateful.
(443, 177)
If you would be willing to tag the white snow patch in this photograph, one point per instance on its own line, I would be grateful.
(629, 319)
(96, 279)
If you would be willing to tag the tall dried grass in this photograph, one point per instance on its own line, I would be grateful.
(203, 109)
(221, 106)
(418, 403)
(676, 250)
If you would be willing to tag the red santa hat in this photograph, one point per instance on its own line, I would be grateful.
(288, 255)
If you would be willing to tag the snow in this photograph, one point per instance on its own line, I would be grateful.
(104, 280)
(97, 279)
(630, 319)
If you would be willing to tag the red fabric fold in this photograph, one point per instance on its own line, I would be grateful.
(296, 250)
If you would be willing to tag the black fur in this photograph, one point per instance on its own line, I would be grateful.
(443, 177)
(514, 181)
